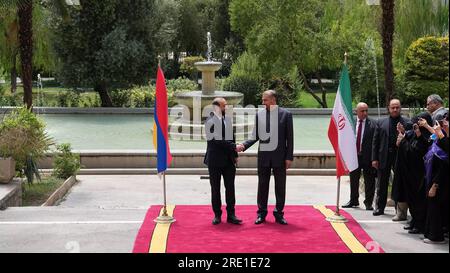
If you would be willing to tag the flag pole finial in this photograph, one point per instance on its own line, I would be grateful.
(159, 60)
(345, 57)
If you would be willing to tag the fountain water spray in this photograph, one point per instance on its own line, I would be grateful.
(374, 54)
(208, 42)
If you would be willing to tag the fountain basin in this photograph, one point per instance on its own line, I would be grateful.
(188, 98)
(208, 66)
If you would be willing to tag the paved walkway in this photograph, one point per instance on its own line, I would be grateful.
(104, 213)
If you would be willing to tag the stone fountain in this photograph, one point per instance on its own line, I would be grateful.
(208, 92)
(196, 101)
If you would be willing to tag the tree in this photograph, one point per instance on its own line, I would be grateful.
(9, 45)
(415, 19)
(25, 14)
(108, 45)
(387, 34)
(304, 36)
(24, 10)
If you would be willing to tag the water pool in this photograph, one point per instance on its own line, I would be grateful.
(133, 132)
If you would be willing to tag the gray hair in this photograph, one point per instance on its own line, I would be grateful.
(436, 99)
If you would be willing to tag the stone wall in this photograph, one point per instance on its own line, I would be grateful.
(11, 194)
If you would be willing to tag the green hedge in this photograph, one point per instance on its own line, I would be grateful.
(426, 70)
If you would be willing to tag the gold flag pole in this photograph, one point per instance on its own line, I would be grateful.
(164, 217)
(337, 217)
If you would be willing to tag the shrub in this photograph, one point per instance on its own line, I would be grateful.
(89, 100)
(2, 91)
(120, 98)
(68, 99)
(426, 69)
(23, 137)
(65, 163)
(181, 84)
(251, 88)
(187, 66)
(142, 96)
(245, 78)
(11, 100)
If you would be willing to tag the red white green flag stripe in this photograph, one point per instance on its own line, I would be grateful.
(341, 130)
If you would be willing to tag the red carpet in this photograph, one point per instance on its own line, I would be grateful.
(307, 232)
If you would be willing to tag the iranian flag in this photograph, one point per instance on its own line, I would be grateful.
(341, 130)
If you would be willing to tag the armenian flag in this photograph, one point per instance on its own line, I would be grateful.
(161, 125)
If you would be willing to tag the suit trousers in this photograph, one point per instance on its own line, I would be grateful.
(228, 172)
(369, 185)
(264, 174)
(382, 184)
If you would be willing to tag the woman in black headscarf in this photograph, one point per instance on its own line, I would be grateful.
(408, 185)
(437, 180)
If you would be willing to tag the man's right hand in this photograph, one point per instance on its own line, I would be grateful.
(240, 148)
(375, 164)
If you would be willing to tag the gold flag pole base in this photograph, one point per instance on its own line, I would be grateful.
(337, 218)
(164, 219)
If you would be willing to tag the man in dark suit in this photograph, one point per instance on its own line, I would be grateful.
(221, 157)
(274, 131)
(365, 129)
(384, 151)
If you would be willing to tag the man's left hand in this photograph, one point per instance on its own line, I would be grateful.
(288, 164)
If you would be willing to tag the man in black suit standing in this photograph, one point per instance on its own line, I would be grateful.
(365, 129)
(384, 151)
(274, 131)
(221, 158)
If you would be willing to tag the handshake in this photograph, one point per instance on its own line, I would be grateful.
(240, 148)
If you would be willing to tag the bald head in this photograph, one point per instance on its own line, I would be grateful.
(362, 110)
(395, 108)
(220, 104)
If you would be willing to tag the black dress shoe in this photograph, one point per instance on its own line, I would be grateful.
(281, 220)
(408, 227)
(216, 220)
(415, 231)
(378, 212)
(351, 205)
(369, 208)
(259, 220)
(234, 220)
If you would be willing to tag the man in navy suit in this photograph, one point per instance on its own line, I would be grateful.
(274, 131)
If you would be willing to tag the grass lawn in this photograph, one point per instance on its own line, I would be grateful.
(306, 100)
(37, 193)
(51, 97)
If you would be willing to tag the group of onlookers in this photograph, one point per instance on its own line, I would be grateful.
(416, 151)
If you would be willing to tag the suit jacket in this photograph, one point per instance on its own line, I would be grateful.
(285, 145)
(439, 114)
(380, 145)
(365, 158)
(219, 151)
